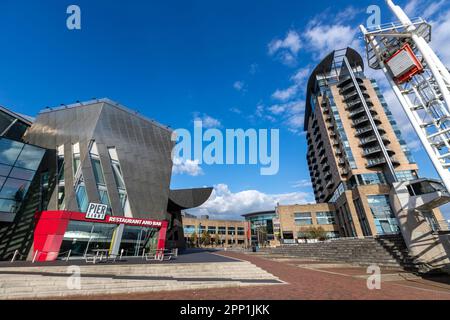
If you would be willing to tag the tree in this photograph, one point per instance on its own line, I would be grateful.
(194, 239)
(205, 238)
(316, 233)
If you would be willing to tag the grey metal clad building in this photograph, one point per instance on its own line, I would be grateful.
(91, 152)
(106, 154)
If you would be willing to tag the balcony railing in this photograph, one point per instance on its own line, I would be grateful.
(371, 139)
(364, 119)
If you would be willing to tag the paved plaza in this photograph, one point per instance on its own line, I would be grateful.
(309, 280)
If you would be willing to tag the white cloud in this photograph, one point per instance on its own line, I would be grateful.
(441, 36)
(301, 75)
(254, 68)
(208, 121)
(304, 183)
(291, 114)
(189, 167)
(235, 110)
(224, 203)
(239, 85)
(423, 8)
(286, 94)
(286, 49)
(322, 38)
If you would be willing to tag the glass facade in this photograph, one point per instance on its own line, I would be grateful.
(99, 176)
(385, 220)
(18, 165)
(261, 224)
(120, 182)
(79, 186)
(84, 237)
(138, 240)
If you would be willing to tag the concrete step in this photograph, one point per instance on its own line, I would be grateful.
(29, 282)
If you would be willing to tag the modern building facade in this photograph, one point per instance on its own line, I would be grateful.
(264, 226)
(296, 221)
(100, 154)
(222, 232)
(355, 148)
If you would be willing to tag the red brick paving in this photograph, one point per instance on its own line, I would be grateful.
(303, 284)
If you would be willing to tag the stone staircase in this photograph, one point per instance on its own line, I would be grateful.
(387, 251)
(45, 282)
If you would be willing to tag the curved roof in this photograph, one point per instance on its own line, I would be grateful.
(188, 198)
(325, 66)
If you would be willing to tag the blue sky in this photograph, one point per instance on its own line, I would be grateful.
(234, 64)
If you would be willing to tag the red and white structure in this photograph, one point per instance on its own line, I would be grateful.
(419, 79)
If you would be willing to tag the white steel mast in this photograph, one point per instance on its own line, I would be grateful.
(419, 79)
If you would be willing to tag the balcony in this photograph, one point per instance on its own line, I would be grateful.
(348, 80)
(341, 162)
(380, 161)
(330, 185)
(350, 87)
(368, 129)
(373, 151)
(352, 96)
(372, 139)
(365, 119)
(361, 111)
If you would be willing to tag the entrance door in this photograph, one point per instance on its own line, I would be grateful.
(137, 239)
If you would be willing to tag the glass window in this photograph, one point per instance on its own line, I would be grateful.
(9, 151)
(241, 231)
(99, 176)
(98, 173)
(9, 206)
(385, 220)
(23, 174)
(30, 157)
(14, 189)
(118, 177)
(231, 230)
(303, 218)
(82, 198)
(5, 170)
(211, 230)
(189, 229)
(222, 230)
(325, 217)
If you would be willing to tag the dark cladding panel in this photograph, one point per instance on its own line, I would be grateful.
(146, 167)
